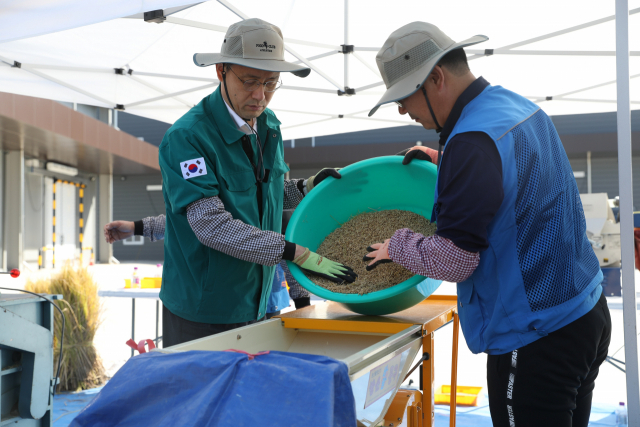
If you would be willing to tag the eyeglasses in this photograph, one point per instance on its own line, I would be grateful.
(253, 84)
(399, 104)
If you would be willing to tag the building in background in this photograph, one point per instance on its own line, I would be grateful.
(114, 155)
(56, 179)
(590, 141)
(138, 196)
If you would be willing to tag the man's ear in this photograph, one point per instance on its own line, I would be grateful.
(437, 77)
(220, 71)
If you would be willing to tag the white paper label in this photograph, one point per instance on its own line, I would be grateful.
(383, 379)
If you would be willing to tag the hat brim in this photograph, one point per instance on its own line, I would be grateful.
(207, 59)
(411, 83)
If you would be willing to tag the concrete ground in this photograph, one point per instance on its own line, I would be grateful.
(116, 330)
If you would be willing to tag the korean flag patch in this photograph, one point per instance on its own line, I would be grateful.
(193, 168)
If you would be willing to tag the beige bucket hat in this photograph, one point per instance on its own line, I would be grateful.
(253, 43)
(408, 56)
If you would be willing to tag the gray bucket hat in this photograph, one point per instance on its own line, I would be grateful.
(408, 56)
(253, 43)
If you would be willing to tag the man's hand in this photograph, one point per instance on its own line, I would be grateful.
(419, 153)
(118, 230)
(321, 176)
(318, 265)
(378, 254)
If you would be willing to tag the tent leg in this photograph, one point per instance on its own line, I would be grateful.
(626, 211)
(346, 42)
(427, 381)
(453, 399)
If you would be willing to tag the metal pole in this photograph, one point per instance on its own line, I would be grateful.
(626, 212)
(133, 319)
(589, 172)
(453, 396)
(346, 42)
(157, 319)
(81, 220)
(53, 251)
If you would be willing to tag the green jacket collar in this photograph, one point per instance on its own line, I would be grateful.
(220, 116)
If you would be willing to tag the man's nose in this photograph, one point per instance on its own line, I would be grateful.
(258, 93)
(402, 110)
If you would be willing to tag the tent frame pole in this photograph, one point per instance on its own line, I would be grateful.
(490, 52)
(346, 43)
(170, 95)
(625, 178)
(559, 33)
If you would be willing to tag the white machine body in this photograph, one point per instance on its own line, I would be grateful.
(602, 229)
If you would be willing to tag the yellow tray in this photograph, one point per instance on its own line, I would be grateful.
(465, 395)
(146, 283)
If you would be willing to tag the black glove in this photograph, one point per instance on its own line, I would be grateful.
(414, 154)
(374, 265)
(321, 176)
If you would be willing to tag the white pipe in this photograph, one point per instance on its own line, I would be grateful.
(307, 89)
(313, 67)
(69, 86)
(174, 76)
(625, 179)
(162, 91)
(373, 69)
(322, 55)
(346, 42)
(549, 52)
(558, 33)
(170, 95)
(589, 172)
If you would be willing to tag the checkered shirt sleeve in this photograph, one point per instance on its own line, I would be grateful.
(153, 227)
(436, 257)
(216, 228)
(295, 290)
(292, 194)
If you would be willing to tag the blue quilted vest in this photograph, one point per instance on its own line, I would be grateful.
(539, 272)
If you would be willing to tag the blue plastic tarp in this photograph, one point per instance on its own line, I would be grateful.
(208, 388)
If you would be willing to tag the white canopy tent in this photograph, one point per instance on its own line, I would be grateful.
(566, 56)
(562, 55)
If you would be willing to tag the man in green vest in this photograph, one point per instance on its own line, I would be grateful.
(224, 189)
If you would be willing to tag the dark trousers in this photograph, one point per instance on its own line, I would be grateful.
(176, 330)
(550, 382)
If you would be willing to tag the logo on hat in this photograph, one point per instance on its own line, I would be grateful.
(266, 47)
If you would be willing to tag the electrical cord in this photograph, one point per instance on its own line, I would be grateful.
(61, 335)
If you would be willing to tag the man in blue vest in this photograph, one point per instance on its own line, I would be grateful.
(511, 232)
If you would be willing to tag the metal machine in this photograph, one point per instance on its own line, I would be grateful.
(26, 359)
(374, 348)
(603, 230)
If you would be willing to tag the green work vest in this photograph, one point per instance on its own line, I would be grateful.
(201, 156)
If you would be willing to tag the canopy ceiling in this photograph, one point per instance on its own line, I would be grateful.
(75, 62)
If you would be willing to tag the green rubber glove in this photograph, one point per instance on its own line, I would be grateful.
(321, 176)
(318, 265)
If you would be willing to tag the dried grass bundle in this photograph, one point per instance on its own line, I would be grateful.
(81, 366)
(348, 244)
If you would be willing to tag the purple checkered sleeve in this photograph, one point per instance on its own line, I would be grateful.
(216, 228)
(436, 257)
(292, 194)
(153, 227)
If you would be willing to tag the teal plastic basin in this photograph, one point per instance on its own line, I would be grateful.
(381, 183)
